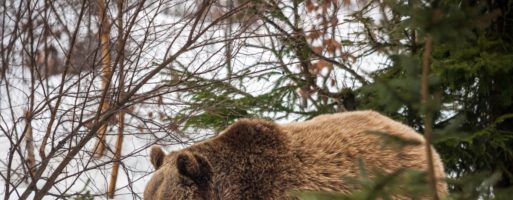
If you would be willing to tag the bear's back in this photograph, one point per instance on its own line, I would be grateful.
(354, 125)
(330, 147)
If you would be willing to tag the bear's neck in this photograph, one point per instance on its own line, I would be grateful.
(250, 173)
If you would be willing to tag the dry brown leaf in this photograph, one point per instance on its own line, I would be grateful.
(304, 92)
(334, 21)
(346, 56)
(325, 5)
(346, 2)
(160, 100)
(314, 68)
(314, 34)
(332, 45)
(318, 49)
(173, 126)
(333, 82)
(321, 64)
(310, 6)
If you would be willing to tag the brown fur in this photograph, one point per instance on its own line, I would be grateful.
(257, 159)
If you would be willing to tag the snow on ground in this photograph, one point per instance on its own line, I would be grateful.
(84, 174)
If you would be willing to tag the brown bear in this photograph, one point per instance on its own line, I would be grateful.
(258, 159)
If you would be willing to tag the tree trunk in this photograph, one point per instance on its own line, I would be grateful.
(428, 121)
(121, 114)
(227, 35)
(106, 72)
(29, 144)
(117, 155)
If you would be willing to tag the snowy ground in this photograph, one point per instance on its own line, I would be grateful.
(143, 127)
(133, 172)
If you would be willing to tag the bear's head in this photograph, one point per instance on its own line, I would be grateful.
(186, 175)
(246, 154)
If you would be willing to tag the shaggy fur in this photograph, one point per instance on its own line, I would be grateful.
(257, 159)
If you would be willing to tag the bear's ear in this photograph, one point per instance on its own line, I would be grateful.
(194, 166)
(157, 156)
(252, 134)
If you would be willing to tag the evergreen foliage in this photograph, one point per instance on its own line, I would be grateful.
(470, 79)
(470, 83)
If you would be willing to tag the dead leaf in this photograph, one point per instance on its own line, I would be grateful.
(310, 6)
